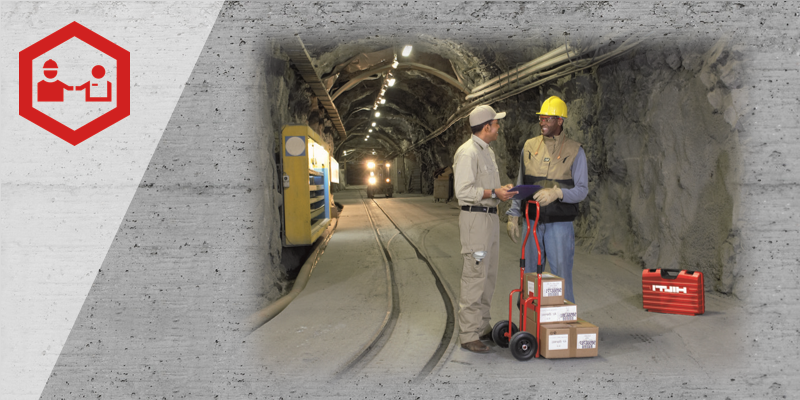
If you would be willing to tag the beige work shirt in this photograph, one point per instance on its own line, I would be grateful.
(475, 169)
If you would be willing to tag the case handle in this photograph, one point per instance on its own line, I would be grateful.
(667, 273)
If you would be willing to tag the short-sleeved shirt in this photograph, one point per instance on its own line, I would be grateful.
(475, 169)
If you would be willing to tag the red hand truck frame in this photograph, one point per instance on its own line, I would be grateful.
(523, 344)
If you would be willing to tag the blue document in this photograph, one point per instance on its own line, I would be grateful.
(524, 191)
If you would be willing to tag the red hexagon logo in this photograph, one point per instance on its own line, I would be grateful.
(102, 99)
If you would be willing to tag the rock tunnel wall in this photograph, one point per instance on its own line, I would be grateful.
(660, 133)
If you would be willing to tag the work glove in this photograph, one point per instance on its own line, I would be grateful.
(548, 195)
(513, 228)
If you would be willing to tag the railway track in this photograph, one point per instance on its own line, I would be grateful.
(383, 337)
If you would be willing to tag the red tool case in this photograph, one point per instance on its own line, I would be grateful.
(673, 291)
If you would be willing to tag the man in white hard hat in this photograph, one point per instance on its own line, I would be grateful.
(557, 164)
(478, 189)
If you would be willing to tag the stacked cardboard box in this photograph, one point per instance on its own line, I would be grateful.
(563, 334)
(552, 288)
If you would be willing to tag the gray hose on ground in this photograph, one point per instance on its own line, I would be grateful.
(264, 315)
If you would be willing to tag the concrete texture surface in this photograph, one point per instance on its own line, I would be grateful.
(198, 248)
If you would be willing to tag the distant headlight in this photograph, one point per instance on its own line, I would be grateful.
(387, 180)
(372, 180)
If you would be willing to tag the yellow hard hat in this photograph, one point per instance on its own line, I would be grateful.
(554, 106)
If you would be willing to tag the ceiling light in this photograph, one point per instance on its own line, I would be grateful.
(395, 64)
(377, 113)
(383, 101)
(365, 139)
(370, 131)
(367, 136)
(391, 81)
(375, 107)
(374, 123)
(406, 50)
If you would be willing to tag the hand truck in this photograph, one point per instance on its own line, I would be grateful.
(523, 344)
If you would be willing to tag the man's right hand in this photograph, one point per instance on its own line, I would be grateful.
(513, 228)
(503, 194)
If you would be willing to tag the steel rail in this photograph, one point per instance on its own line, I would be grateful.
(449, 329)
(379, 340)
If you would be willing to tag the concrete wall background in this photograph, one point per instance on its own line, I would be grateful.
(190, 260)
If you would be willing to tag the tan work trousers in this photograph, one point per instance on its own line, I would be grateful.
(479, 232)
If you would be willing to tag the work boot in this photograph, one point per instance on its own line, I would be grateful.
(486, 336)
(476, 347)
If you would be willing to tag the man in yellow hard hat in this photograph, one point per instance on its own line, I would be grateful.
(557, 164)
(478, 189)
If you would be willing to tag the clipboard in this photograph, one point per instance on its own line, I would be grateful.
(524, 191)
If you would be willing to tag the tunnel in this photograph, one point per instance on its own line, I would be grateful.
(666, 99)
(655, 117)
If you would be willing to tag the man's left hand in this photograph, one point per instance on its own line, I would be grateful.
(548, 195)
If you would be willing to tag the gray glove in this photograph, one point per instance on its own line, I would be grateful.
(513, 228)
(548, 195)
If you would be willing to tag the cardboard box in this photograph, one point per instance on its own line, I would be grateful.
(555, 342)
(566, 340)
(561, 314)
(552, 288)
(564, 312)
(584, 339)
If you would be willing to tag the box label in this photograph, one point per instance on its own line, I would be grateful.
(558, 342)
(569, 314)
(559, 314)
(587, 341)
(551, 289)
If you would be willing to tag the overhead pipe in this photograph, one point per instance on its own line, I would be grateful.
(578, 65)
(533, 68)
(464, 110)
(550, 54)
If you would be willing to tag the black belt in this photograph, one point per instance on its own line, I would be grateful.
(490, 210)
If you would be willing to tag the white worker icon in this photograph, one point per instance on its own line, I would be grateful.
(96, 90)
(51, 90)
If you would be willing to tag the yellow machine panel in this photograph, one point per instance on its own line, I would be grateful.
(306, 185)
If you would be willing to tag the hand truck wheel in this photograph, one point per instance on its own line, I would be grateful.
(499, 333)
(523, 346)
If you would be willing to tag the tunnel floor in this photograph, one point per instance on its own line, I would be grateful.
(352, 333)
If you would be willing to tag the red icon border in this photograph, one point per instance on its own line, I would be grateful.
(55, 39)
